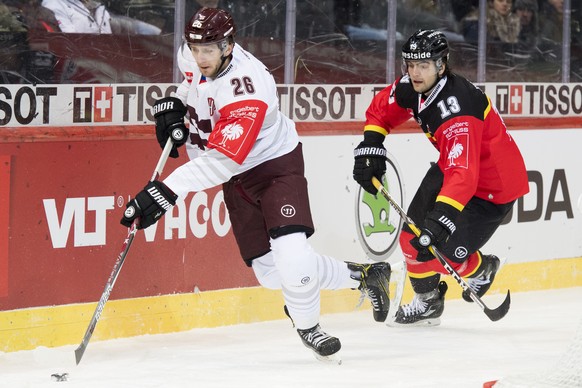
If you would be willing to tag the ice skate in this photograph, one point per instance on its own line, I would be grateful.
(324, 346)
(425, 309)
(481, 281)
(375, 285)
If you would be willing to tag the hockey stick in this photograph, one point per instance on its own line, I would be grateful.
(119, 262)
(493, 314)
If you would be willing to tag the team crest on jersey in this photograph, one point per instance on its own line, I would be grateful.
(211, 106)
(458, 151)
(235, 133)
(230, 132)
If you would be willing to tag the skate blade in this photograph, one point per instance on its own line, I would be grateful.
(333, 359)
(424, 322)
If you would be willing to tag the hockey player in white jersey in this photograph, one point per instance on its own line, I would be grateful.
(237, 137)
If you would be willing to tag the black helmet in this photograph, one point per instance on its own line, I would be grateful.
(209, 25)
(426, 44)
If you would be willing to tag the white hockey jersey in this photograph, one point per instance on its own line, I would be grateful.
(235, 122)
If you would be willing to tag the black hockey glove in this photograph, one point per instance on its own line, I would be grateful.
(370, 161)
(438, 225)
(149, 205)
(169, 113)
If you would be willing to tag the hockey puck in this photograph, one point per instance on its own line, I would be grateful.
(59, 376)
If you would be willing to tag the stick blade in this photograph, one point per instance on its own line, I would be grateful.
(501, 311)
(79, 352)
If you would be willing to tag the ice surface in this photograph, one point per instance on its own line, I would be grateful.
(465, 351)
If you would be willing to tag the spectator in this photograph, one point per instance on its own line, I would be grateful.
(551, 27)
(14, 43)
(469, 23)
(462, 8)
(502, 24)
(33, 16)
(527, 11)
(415, 14)
(20, 61)
(80, 16)
(10, 20)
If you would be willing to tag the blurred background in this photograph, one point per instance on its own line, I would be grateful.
(301, 41)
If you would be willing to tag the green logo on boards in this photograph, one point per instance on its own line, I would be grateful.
(378, 206)
(378, 225)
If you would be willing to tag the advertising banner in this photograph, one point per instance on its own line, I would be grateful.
(63, 210)
(61, 200)
(130, 104)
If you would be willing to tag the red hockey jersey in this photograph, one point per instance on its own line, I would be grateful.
(477, 155)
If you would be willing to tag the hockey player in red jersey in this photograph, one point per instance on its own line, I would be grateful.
(239, 138)
(466, 194)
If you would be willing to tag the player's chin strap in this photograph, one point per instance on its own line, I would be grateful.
(493, 314)
(222, 46)
(221, 67)
(439, 63)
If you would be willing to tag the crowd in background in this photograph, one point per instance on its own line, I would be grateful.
(520, 33)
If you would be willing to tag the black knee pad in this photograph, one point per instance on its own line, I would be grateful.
(458, 254)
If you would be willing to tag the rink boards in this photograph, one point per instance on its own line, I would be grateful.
(69, 162)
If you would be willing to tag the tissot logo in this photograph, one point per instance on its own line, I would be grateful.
(538, 99)
(93, 104)
(378, 225)
(103, 104)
